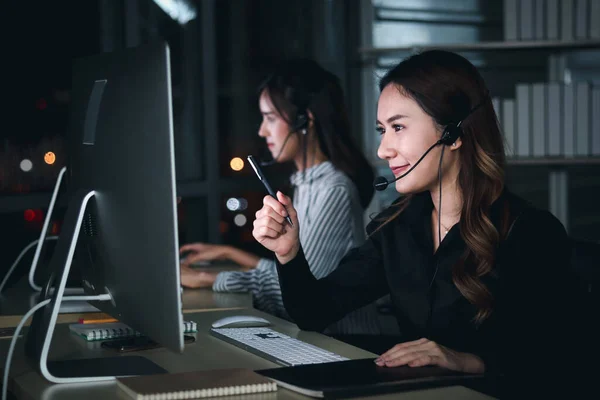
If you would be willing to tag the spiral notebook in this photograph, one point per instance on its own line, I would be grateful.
(113, 330)
(197, 384)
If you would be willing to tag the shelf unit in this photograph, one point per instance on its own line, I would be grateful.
(535, 161)
(553, 161)
(537, 45)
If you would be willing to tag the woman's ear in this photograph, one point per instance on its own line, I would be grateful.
(456, 145)
(311, 119)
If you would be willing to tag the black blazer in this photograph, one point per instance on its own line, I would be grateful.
(531, 283)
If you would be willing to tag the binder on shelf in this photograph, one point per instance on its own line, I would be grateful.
(567, 14)
(527, 20)
(539, 9)
(557, 65)
(538, 117)
(582, 121)
(523, 113)
(569, 120)
(581, 19)
(596, 120)
(555, 126)
(508, 125)
(552, 20)
(511, 20)
(496, 102)
(594, 20)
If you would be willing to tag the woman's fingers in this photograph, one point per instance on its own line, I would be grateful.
(266, 232)
(275, 205)
(284, 200)
(420, 351)
(269, 212)
(269, 223)
(425, 352)
(187, 247)
(424, 360)
(422, 356)
(193, 247)
(282, 206)
(401, 348)
(287, 203)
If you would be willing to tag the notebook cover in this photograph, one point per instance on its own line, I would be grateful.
(360, 377)
(237, 380)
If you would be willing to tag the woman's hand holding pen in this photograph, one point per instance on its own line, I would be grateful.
(273, 231)
(423, 352)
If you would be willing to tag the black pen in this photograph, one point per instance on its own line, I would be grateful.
(262, 178)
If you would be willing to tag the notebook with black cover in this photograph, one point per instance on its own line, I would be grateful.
(360, 377)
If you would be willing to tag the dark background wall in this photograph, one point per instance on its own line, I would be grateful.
(218, 59)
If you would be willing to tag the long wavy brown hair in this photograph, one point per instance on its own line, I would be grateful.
(447, 87)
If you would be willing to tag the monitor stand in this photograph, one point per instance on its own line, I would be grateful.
(42, 327)
(42, 239)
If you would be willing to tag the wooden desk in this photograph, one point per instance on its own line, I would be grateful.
(20, 298)
(207, 352)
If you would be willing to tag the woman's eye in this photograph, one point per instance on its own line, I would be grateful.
(397, 128)
(380, 130)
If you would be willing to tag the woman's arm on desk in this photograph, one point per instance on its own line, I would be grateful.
(262, 282)
(210, 252)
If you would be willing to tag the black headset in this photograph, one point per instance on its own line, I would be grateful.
(301, 122)
(451, 134)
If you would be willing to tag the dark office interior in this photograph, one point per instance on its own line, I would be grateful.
(218, 60)
(220, 56)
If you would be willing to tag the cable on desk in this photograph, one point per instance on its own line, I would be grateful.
(13, 342)
(20, 256)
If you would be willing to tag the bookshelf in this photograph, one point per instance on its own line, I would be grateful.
(535, 161)
(529, 45)
(553, 162)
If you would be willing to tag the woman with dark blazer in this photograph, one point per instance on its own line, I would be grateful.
(478, 277)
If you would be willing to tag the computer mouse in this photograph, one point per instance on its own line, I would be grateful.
(240, 321)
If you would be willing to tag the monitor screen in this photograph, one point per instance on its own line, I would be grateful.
(121, 149)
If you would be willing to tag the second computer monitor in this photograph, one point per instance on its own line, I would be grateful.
(121, 148)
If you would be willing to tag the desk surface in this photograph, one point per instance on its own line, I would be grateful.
(20, 298)
(207, 352)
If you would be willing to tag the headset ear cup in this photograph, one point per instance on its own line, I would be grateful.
(301, 123)
(451, 133)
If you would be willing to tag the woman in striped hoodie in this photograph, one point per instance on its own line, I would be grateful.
(305, 122)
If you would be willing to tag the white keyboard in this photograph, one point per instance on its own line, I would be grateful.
(275, 346)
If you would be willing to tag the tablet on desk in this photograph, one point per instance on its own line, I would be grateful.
(360, 377)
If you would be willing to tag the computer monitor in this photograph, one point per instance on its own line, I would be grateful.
(121, 180)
